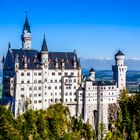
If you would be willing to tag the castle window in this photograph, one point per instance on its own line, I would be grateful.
(101, 94)
(55, 93)
(35, 74)
(35, 102)
(55, 87)
(49, 87)
(35, 81)
(39, 88)
(55, 81)
(104, 87)
(39, 73)
(35, 88)
(59, 73)
(40, 101)
(74, 87)
(45, 80)
(108, 87)
(112, 87)
(74, 80)
(30, 88)
(70, 93)
(66, 100)
(72, 73)
(22, 95)
(22, 89)
(39, 94)
(66, 73)
(51, 81)
(35, 95)
(60, 87)
(53, 73)
(30, 95)
(22, 81)
(75, 99)
(60, 80)
(101, 99)
(66, 93)
(28, 81)
(112, 93)
(22, 74)
(39, 81)
(28, 74)
(70, 100)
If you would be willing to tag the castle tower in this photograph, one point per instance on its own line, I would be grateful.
(119, 70)
(26, 37)
(44, 64)
(44, 52)
(92, 74)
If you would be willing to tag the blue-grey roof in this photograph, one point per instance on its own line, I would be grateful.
(66, 57)
(3, 59)
(119, 53)
(33, 59)
(91, 70)
(104, 83)
(26, 26)
(32, 56)
(44, 45)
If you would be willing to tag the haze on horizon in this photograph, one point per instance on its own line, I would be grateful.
(96, 29)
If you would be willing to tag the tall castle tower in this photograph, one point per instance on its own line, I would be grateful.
(119, 70)
(26, 35)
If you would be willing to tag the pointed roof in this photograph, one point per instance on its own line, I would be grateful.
(92, 70)
(119, 53)
(9, 45)
(3, 59)
(26, 25)
(44, 45)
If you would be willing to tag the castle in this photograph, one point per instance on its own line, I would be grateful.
(35, 80)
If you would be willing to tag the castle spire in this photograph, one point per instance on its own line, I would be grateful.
(26, 35)
(44, 45)
(9, 45)
(3, 59)
(26, 25)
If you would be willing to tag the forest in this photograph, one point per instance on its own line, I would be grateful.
(56, 123)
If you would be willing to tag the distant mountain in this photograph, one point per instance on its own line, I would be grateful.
(106, 64)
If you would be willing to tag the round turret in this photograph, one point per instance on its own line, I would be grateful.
(92, 74)
(119, 58)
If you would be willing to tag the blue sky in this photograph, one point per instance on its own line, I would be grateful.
(95, 28)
